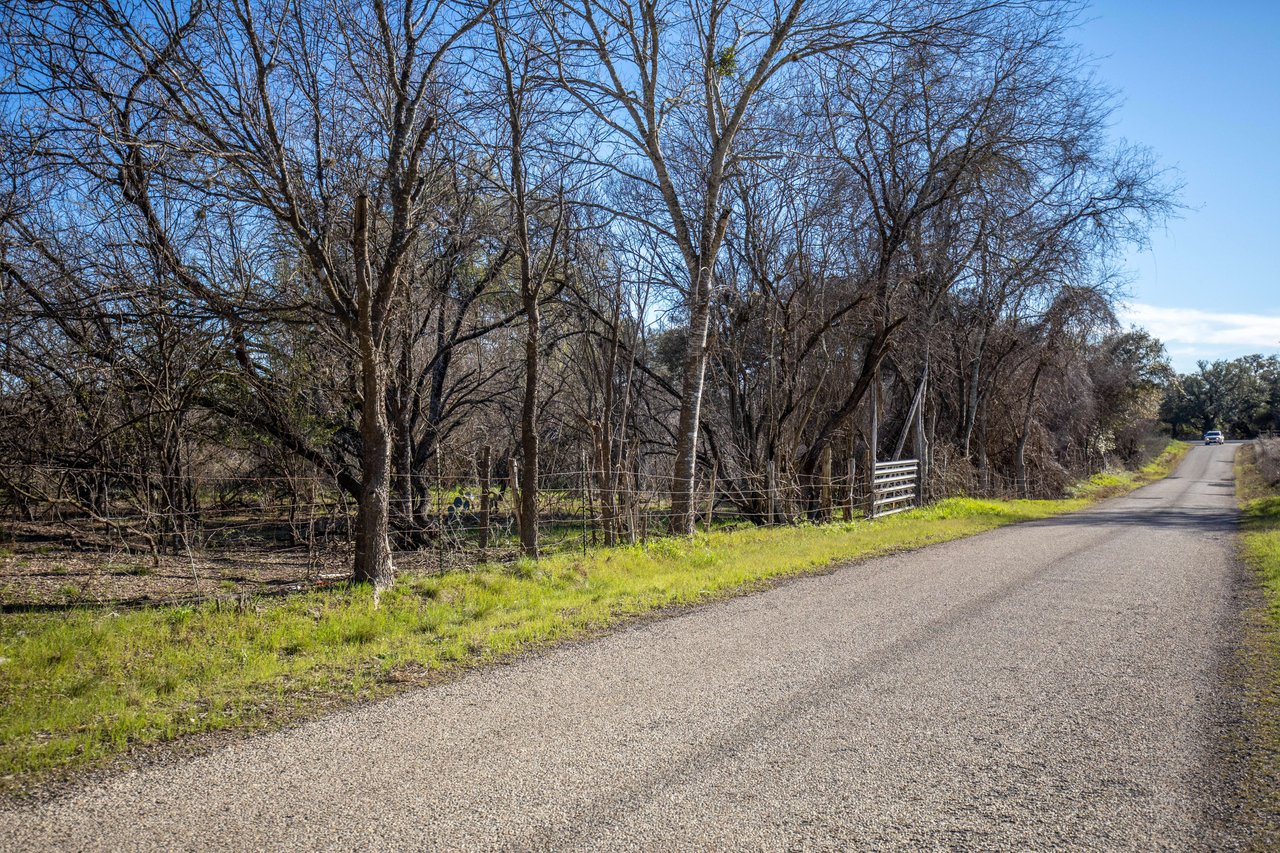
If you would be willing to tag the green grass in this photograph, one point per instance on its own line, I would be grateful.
(1260, 650)
(1260, 526)
(1261, 545)
(80, 687)
(140, 570)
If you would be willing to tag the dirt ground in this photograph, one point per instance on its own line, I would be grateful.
(46, 565)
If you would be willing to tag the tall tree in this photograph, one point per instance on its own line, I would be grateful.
(672, 86)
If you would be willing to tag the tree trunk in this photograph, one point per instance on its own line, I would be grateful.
(373, 548)
(402, 470)
(981, 460)
(604, 435)
(529, 432)
(1020, 457)
(694, 374)
(530, 290)
(842, 414)
(970, 416)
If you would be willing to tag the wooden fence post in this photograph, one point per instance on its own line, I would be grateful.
(586, 499)
(626, 506)
(440, 510)
(826, 483)
(513, 470)
(853, 489)
(771, 489)
(484, 502)
(711, 499)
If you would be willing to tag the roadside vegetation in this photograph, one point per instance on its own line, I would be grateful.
(429, 248)
(1258, 478)
(1113, 483)
(82, 686)
(1258, 490)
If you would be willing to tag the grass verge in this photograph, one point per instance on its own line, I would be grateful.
(81, 687)
(1260, 550)
(1110, 484)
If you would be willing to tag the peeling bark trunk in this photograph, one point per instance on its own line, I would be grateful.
(693, 378)
(373, 548)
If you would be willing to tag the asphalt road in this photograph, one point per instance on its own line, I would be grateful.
(1052, 685)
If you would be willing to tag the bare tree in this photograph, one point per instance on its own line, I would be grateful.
(672, 87)
(524, 78)
(359, 241)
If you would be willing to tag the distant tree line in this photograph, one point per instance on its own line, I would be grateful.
(1239, 396)
(288, 240)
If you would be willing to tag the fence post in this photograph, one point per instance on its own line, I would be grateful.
(771, 488)
(484, 502)
(826, 483)
(585, 498)
(870, 477)
(513, 470)
(626, 505)
(853, 489)
(441, 519)
(711, 499)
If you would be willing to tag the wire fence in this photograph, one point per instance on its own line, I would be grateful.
(70, 534)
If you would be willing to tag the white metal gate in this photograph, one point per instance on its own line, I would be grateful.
(895, 486)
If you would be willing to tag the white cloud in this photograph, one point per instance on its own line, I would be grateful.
(1207, 332)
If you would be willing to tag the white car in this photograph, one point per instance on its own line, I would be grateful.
(1214, 436)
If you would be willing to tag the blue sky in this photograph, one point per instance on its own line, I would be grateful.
(1199, 83)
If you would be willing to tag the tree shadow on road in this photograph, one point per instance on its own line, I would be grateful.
(1208, 519)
